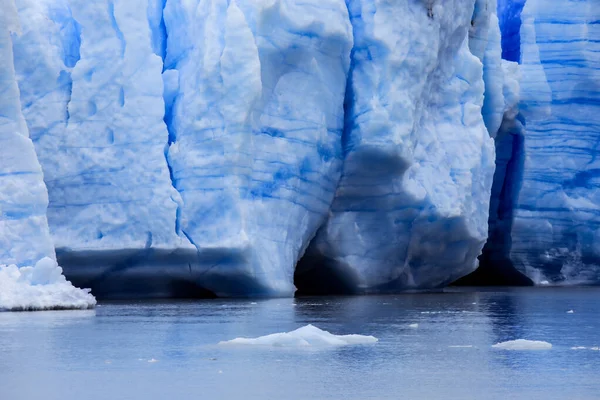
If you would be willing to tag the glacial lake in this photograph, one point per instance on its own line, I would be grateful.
(170, 350)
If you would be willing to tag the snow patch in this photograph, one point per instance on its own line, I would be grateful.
(523, 344)
(42, 287)
(307, 336)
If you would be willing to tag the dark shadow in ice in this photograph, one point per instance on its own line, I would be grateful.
(495, 265)
(156, 273)
(316, 275)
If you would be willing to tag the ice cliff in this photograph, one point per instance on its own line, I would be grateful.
(547, 205)
(29, 276)
(238, 147)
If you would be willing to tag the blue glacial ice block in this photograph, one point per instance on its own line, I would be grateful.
(24, 235)
(92, 94)
(412, 207)
(555, 234)
(254, 97)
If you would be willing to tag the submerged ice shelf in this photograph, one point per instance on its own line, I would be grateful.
(244, 148)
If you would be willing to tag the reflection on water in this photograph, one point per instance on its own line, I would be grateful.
(157, 350)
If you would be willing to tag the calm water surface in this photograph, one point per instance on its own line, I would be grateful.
(105, 353)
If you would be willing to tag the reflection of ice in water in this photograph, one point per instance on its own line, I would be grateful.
(523, 344)
(306, 336)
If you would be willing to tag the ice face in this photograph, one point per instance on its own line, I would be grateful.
(553, 232)
(412, 205)
(203, 145)
(256, 130)
(24, 235)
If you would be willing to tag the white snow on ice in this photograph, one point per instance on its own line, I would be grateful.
(523, 344)
(42, 287)
(306, 336)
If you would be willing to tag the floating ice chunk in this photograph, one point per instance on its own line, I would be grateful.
(152, 360)
(523, 344)
(306, 336)
(578, 348)
(42, 287)
(544, 283)
(570, 312)
(595, 348)
(413, 326)
(461, 346)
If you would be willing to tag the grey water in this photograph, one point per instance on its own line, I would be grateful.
(169, 350)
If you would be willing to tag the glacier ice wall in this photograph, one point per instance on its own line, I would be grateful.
(556, 229)
(92, 94)
(30, 279)
(256, 126)
(412, 205)
(24, 235)
(201, 146)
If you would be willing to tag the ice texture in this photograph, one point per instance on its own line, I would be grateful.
(554, 207)
(523, 344)
(411, 208)
(24, 235)
(41, 287)
(307, 336)
(92, 94)
(256, 127)
(200, 147)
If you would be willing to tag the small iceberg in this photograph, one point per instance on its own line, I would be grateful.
(41, 287)
(414, 326)
(523, 344)
(307, 336)
(570, 312)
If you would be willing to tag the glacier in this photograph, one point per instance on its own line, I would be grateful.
(411, 207)
(29, 276)
(253, 148)
(548, 201)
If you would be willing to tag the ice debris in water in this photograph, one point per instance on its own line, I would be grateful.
(41, 287)
(306, 336)
(413, 326)
(523, 344)
(570, 312)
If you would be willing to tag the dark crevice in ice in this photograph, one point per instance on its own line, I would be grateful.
(495, 265)
(509, 15)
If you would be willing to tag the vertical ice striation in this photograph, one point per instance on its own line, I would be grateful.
(92, 93)
(484, 42)
(29, 276)
(556, 229)
(412, 206)
(24, 235)
(254, 94)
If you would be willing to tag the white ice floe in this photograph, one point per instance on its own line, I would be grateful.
(414, 326)
(306, 336)
(42, 287)
(570, 312)
(523, 344)
(578, 348)
(461, 346)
